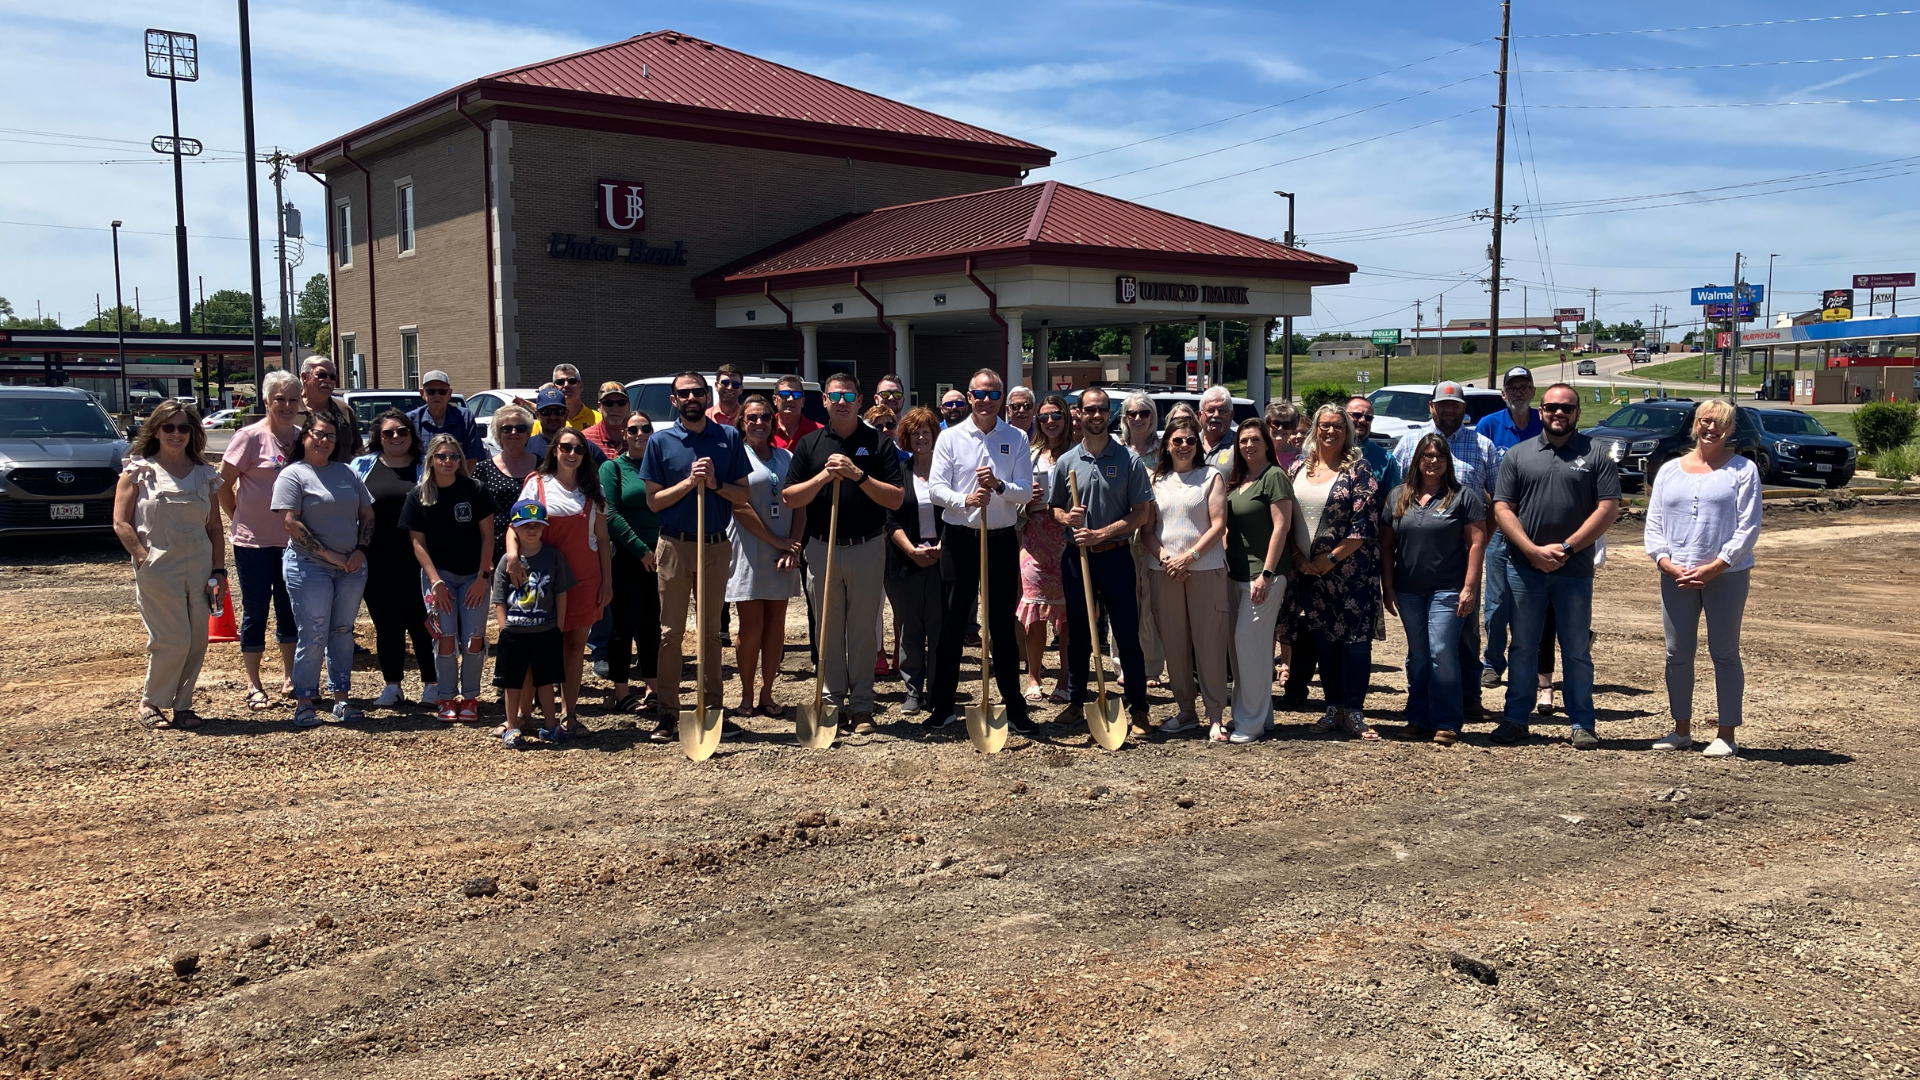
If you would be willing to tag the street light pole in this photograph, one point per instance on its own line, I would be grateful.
(1286, 321)
(175, 57)
(120, 318)
(1768, 325)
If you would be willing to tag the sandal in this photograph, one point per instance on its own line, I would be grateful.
(1325, 724)
(572, 726)
(152, 719)
(773, 710)
(513, 738)
(258, 701)
(305, 716)
(629, 703)
(186, 719)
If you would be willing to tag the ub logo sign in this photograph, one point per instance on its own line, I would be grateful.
(623, 205)
(1126, 290)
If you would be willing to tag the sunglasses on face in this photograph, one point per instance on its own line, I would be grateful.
(1183, 440)
(446, 456)
(985, 395)
(644, 429)
(615, 402)
(1326, 429)
(886, 426)
(321, 436)
(1051, 417)
(684, 392)
(327, 375)
(515, 429)
(757, 418)
(1558, 407)
(554, 412)
(566, 382)
(436, 392)
(395, 433)
(890, 394)
(791, 395)
(1358, 417)
(730, 384)
(569, 448)
(1139, 414)
(1020, 406)
(952, 405)
(1094, 410)
(175, 429)
(842, 397)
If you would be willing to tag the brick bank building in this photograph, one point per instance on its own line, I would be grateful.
(663, 203)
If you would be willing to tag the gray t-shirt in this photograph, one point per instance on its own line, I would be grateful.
(1553, 490)
(534, 605)
(328, 500)
(1430, 543)
(1111, 485)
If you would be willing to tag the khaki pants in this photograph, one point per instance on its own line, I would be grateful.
(172, 595)
(847, 641)
(675, 559)
(1194, 621)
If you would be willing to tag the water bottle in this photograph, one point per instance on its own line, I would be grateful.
(218, 601)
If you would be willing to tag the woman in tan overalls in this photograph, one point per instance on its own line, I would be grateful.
(165, 514)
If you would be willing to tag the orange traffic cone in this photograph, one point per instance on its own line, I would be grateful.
(220, 627)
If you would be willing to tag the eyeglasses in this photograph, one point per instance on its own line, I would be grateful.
(327, 375)
(886, 426)
(620, 401)
(791, 395)
(757, 418)
(566, 382)
(1139, 414)
(1329, 427)
(322, 436)
(1559, 407)
(1357, 417)
(730, 384)
(950, 405)
(569, 448)
(515, 429)
(1183, 440)
(447, 456)
(647, 429)
(684, 392)
(554, 410)
(1020, 406)
(433, 392)
(1051, 417)
(985, 395)
(175, 429)
(889, 393)
(843, 397)
(396, 433)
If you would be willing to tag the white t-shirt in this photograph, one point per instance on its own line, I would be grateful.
(561, 501)
(1309, 502)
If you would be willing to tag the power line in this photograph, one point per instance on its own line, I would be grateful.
(1316, 153)
(123, 232)
(1742, 64)
(1723, 26)
(1741, 104)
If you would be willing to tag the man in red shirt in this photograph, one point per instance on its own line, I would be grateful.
(610, 434)
(790, 423)
(728, 384)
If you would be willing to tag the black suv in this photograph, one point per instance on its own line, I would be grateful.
(1645, 435)
(1797, 445)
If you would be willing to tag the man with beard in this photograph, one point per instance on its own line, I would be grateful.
(318, 381)
(727, 384)
(1380, 459)
(1216, 429)
(694, 452)
(790, 425)
(953, 408)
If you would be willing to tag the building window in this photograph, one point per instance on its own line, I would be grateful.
(349, 362)
(343, 247)
(404, 202)
(410, 359)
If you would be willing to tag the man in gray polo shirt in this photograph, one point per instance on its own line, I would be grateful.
(1115, 500)
(1555, 497)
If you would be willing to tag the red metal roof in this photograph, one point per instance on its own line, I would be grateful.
(669, 67)
(1033, 223)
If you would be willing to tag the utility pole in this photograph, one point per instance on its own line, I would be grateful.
(1439, 336)
(253, 208)
(1416, 337)
(279, 160)
(1286, 321)
(120, 319)
(1499, 199)
(1733, 329)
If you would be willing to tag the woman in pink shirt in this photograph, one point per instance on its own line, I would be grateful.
(247, 471)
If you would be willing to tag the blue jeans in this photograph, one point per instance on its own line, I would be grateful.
(1571, 599)
(1498, 603)
(325, 604)
(1434, 634)
(457, 627)
(261, 585)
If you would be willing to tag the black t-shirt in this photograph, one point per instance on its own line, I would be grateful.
(870, 451)
(451, 525)
(391, 547)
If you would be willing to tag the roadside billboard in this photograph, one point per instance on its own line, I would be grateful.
(1836, 304)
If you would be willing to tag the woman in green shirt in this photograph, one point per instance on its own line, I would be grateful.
(1259, 508)
(635, 531)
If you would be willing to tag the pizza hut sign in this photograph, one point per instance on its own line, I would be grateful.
(623, 205)
(1127, 290)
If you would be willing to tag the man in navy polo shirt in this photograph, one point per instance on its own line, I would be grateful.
(441, 416)
(694, 452)
(1506, 429)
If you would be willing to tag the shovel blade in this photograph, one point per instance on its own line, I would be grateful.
(987, 728)
(1104, 723)
(699, 733)
(815, 731)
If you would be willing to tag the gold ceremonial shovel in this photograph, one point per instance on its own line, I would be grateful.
(700, 729)
(1103, 713)
(986, 722)
(812, 726)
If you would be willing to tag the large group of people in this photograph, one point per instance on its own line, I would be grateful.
(1187, 551)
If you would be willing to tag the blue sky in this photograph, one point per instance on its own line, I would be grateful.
(1376, 114)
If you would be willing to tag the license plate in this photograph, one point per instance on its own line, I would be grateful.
(1823, 468)
(67, 511)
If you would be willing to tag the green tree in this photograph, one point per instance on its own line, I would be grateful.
(1592, 326)
(1624, 331)
(311, 308)
(10, 321)
(134, 322)
(323, 340)
(225, 312)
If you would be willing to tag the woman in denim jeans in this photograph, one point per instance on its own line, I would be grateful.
(328, 514)
(247, 471)
(450, 519)
(1433, 535)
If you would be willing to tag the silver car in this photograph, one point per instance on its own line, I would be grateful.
(59, 459)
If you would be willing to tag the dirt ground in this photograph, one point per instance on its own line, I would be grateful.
(252, 901)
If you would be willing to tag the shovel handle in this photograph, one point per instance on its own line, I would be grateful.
(986, 631)
(699, 603)
(1086, 582)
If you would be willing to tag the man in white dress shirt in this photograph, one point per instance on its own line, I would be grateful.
(981, 469)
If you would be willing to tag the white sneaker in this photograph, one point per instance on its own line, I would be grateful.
(1242, 737)
(429, 693)
(389, 697)
(1720, 748)
(1673, 740)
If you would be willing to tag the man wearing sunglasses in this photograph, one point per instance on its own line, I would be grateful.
(319, 380)
(610, 434)
(1115, 500)
(550, 408)
(727, 386)
(982, 475)
(790, 425)
(953, 409)
(693, 452)
(1020, 409)
(439, 415)
(1386, 468)
(864, 462)
(579, 414)
(1554, 499)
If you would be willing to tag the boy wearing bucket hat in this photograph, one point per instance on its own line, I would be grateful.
(529, 617)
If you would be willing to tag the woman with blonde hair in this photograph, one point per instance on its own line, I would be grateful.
(248, 469)
(166, 516)
(1336, 557)
(505, 473)
(449, 520)
(1703, 520)
(1043, 596)
(766, 560)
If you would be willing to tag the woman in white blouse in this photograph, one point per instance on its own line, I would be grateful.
(1702, 521)
(1189, 576)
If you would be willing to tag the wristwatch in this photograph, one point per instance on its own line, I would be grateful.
(1268, 575)
(863, 478)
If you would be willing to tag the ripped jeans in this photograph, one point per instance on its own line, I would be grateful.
(457, 628)
(326, 602)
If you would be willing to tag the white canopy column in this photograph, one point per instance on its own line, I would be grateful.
(903, 353)
(1138, 333)
(810, 352)
(1016, 348)
(1258, 383)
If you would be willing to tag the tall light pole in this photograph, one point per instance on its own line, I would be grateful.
(120, 317)
(1286, 321)
(175, 57)
(253, 209)
(1768, 325)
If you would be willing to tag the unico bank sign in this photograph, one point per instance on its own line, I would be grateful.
(623, 206)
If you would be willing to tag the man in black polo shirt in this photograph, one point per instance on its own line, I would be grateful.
(1555, 497)
(868, 468)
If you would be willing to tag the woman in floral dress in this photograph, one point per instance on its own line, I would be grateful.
(1337, 565)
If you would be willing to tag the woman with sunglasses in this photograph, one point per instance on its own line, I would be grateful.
(1283, 428)
(1043, 598)
(328, 514)
(448, 520)
(1189, 575)
(568, 485)
(166, 516)
(766, 561)
(1336, 557)
(247, 471)
(505, 473)
(392, 473)
(1137, 418)
(635, 531)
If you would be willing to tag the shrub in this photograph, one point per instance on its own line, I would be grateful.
(1312, 397)
(1469, 347)
(1898, 463)
(1885, 425)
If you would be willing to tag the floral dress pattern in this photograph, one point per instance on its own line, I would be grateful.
(1339, 606)
(504, 490)
(1043, 595)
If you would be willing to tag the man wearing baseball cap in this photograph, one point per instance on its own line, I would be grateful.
(610, 434)
(551, 408)
(1475, 465)
(1506, 429)
(441, 416)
